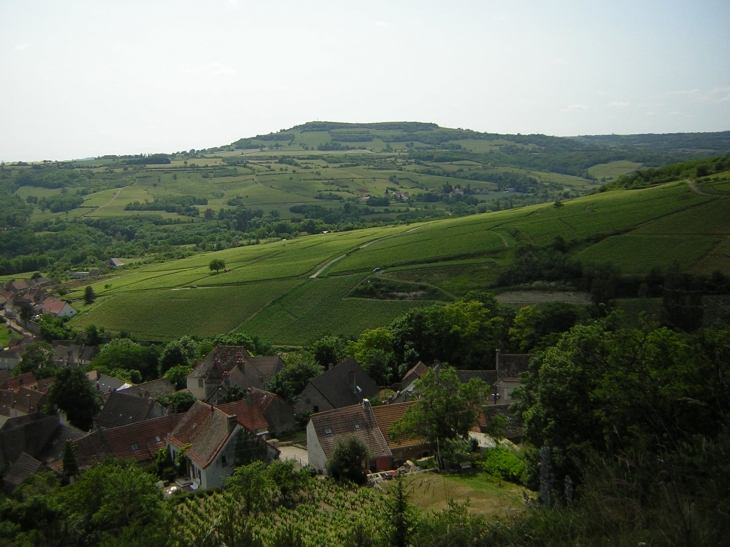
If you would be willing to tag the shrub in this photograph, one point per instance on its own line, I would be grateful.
(503, 463)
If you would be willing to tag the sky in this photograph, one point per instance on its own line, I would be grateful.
(83, 78)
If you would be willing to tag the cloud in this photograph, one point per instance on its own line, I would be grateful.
(21, 47)
(618, 104)
(560, 61)
(575, 107)
(382, 24)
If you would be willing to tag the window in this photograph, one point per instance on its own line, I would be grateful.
(357, 427)
(316, 408)
(327, 431)
(200, 382)
(224, 461)
(135, 447)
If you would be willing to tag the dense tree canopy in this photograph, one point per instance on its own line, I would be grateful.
(72, 393)
(445, 409)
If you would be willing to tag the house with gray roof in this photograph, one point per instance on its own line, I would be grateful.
(23, 468)
(73, 355)
(123, 409)
(343, 385)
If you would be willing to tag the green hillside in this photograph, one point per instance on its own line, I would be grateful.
(269, 290)
(436, 211)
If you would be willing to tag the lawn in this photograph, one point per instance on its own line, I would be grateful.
(487, 496)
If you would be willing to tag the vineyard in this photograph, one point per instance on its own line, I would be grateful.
(267, 290)
(327, 514)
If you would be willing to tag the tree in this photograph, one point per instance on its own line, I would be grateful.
(89, 295)
(402, 516)
(328, 350)
(93, 335)
(56, 328)
(110, 498)
(232, 394)
(289, 482)
(178, 375)
(72, 393)
(179, 402)
(349, 460)
(445, 409)
(125, 354)
(70, 464)
(217, 264)
(374, 350)
(615, 390)
(289, 382)
(253, 486)
(181, 352)
(38, 358)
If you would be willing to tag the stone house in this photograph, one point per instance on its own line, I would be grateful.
(326, 429)
(343, 385)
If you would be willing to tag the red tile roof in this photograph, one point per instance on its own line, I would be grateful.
(386, 415)
(206, 429)
(249, 412)
(14, 383)
(141, 441)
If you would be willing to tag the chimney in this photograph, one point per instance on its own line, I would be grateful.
(366, 404)
(351, 373)
(497, 362)
(330, 367)
(232, 423)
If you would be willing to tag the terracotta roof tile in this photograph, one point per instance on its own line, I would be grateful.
(141, 441)
(14, 383)
(249, 412)
(206, 429)
(386, 415)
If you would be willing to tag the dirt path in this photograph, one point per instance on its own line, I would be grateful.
(697, 191)
(323, 268)
(108, 202)
(504, 240)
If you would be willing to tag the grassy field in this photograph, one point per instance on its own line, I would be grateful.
(6, 335)
(488, 497)
(268, 290)
(607, 172)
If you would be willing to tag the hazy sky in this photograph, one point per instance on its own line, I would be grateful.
(84, 78)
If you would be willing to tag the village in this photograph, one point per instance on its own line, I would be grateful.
(231, 406)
